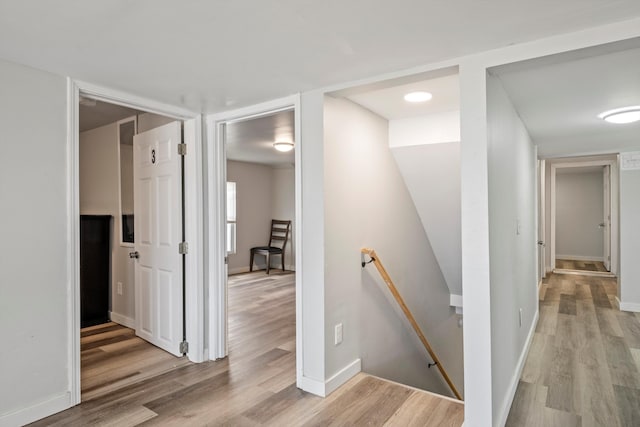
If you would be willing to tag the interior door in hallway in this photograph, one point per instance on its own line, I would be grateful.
(158, 224)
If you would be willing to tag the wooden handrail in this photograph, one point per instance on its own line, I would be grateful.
(410, 318)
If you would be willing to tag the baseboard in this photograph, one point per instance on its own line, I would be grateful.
(257, 267)
(323, 389)
(122, 319)
(580, 258)
(311, 386)
(629, 306)
(238, 270)
(37, 412)
(342, 376)
(513, 385)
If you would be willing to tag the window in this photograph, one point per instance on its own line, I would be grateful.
(231, 217)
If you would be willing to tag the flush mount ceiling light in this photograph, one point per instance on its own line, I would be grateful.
(622, 115)
(283, 146)
(419, 96)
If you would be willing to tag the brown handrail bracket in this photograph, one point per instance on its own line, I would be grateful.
(392, 288)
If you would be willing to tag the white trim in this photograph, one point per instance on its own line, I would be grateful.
(123, 320)
(124, 99)
(579, 258)
(195, 204)
(613, 182)
(73, 242)
(584, 272)
(38, 411)
(216, 157)
(511, 392)
(342, 376)
(311, 386)
(258, 267)
(629, 306)
(419, 390)
(324, 389)
(194, 229)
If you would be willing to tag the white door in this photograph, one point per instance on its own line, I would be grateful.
(157, 196)
(606, 223)
(542, 262)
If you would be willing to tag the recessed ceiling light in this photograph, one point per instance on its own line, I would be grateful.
(622, 115)
(283, 146)
(419, 96)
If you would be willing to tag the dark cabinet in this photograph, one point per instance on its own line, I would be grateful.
(95, 266)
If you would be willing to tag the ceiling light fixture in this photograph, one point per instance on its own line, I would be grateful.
(622, 115)
(419, 96)
(283, 146)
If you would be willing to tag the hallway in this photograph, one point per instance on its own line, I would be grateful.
(583, 367)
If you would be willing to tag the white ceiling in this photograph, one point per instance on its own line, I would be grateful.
(390, 104)
(252, 140)
(211, 55)
(559, 98)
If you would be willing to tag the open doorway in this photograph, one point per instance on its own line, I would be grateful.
(264, 184)
(583, 215)
(131, 292)
(260, 237)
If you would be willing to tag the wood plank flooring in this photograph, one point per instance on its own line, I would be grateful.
(112, 357)
(254, 386)
(583, 367)
(569, 264)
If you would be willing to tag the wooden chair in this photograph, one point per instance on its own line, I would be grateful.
(279, 233)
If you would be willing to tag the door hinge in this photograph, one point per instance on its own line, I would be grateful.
(182, 149)
(183, 248)
(184, 347)
(226, 260)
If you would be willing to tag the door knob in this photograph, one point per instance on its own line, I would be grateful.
(134, 255)
(540, 242)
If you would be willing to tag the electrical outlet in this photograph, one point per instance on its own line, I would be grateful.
(119, 288)
(338, 334)
(520, 317)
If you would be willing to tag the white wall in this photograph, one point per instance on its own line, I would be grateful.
(367, 205)
(579, 210)
(432, 175)
(254, 205)
(99, 194)
(512, 248)
(629, 240)
(283, 193)
(429, 129)
(34, 280)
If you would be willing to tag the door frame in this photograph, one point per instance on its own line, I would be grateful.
(614, 178)
(542, 226)
(194, 218)
(216, 157)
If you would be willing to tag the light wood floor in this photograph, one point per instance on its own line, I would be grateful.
(569, 264)
(254, 386)
(583, 367)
